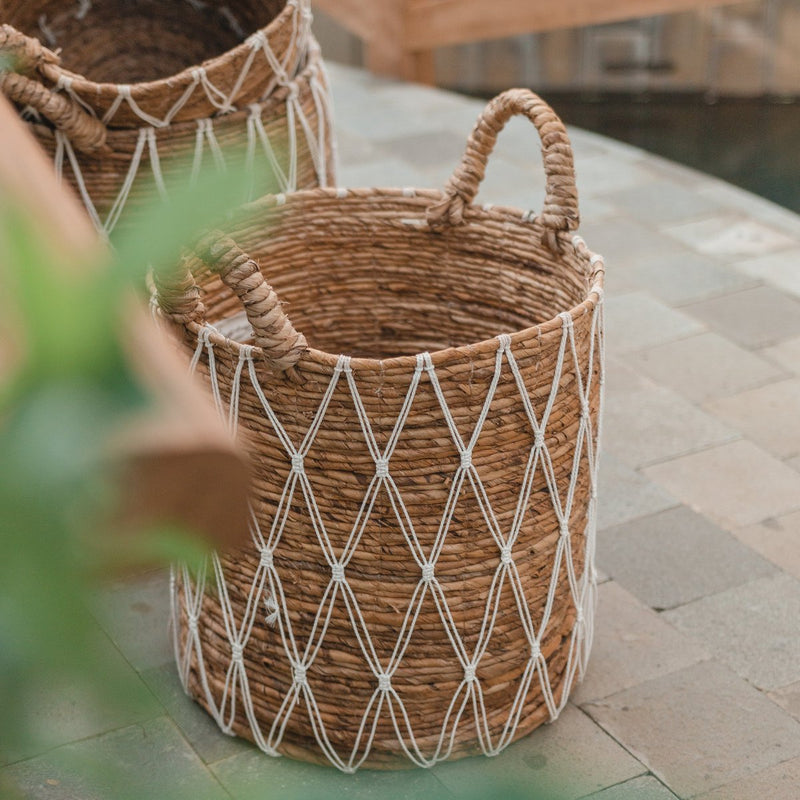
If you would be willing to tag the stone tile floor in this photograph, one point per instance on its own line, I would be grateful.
(693, 689)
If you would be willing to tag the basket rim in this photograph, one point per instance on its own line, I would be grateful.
(328, 360)
(177, 80)
(313, 67)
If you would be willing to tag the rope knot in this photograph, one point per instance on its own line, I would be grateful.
(384, 682)
(427, 572)
(466, 459)
(300, 675)
(237, 651)
(536, 651)
(538, 438)
(505, 555)
(267, 558)
(337, 571)
(563, 528)
(382, 467)
(469, 673)
(193, 624)
(297, 464)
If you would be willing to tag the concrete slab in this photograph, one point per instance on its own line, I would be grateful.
(682, 277)
(729, 236)
(625, 494)
(766, 415)
(699, 728)
(752, 628)
(637, 320)
(675, 557)
(646, 423)
(135, 614)
(563, 761)
(753, 318)
(150, 760)
(704, 367)
(777, 783)
(735, 484)
(631, 645)
(644, 788)
(777, 539)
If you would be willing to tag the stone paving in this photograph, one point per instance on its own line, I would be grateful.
(693, 689)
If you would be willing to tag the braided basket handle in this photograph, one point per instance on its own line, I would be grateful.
(179, 297)
(560, 211)
(30, 59)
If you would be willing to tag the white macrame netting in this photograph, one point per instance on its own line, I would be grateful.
(262, 157)
(266, 605)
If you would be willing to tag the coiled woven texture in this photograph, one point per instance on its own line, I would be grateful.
(420, 584)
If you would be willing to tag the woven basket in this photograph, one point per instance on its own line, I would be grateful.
(130, 124)
(421, 582)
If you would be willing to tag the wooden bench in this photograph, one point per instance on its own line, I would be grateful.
(400, 36)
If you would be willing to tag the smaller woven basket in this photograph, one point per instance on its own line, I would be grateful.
(117, 122)
(421, 582)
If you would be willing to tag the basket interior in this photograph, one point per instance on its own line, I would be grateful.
(369, 285)
(128, 41)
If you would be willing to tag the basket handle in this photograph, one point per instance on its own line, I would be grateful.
(560, 211)
(29, 58)
(179, 297)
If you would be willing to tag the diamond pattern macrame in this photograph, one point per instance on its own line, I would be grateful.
(267, 601)
(258, 144)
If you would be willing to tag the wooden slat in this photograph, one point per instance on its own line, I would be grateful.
(437, 23)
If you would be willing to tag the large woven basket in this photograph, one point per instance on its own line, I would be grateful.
(140, 91)
(420, 584)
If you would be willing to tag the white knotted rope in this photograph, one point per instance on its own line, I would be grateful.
(267, 603)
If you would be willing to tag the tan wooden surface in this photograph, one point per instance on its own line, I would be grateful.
(178, 464)
(400, 35)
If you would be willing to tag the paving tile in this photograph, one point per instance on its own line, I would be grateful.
(141, 761)
(729, 236)
(631, 645)
(196, 725)
(768, 415)
(645, 788)
(135, 614)
(775, 783)
(568, 759)
(786, 354)
(751, 205)
(735, 484)
(624, 241)
(430, 149)
(354, 150)
(777, 539)
(508, 183)
(663, 201)
(603, 175)
(753, 629)
(637, 320)
(704, 367)
(255, 775)
(63, 712)
(699, 728)
(625, 494)
(645, 423)
(676, 556)
(385, 173)
(754, 318)
(781, 269)
(683, 276)
(788, 698)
